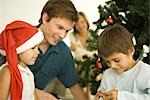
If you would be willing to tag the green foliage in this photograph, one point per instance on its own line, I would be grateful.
(134, 15)
(92, 40)
(88, 73)
(136, 19)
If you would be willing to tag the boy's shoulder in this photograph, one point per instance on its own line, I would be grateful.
(144, 66)
(109, 71)
(143, 70)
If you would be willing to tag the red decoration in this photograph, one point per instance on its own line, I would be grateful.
(99, 65)
(109, 20)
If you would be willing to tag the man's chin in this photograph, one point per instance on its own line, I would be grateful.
(53, 44)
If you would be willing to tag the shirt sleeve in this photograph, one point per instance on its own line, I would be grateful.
(103, 83)
(141, 88)
(68, 73)
(124, 95)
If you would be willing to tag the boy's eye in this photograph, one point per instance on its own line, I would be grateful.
(107, 62)
(116, 60)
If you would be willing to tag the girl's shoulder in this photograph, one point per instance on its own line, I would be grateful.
(5, 71)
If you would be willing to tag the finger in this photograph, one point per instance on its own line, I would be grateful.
(97, 96)
(109, 97)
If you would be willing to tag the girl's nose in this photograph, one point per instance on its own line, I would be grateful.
(37, 50)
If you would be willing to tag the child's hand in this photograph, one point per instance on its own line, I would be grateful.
(100, 94)
(111, 95)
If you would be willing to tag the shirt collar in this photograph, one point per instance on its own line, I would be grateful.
(54, 48)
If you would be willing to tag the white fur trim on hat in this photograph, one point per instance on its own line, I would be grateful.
(33, 41)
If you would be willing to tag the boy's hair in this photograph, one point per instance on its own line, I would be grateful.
(114, 39)
(59, 8)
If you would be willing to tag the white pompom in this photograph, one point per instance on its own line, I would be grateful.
(146, 49)
(134, 41)
(144, 55)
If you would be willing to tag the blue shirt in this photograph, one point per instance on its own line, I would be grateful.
(57, 61)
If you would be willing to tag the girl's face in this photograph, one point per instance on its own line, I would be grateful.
(28, 57)
(121, 62)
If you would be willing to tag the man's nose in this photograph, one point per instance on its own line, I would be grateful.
(62, 34)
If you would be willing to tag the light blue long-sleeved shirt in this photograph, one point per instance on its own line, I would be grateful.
(133, 84)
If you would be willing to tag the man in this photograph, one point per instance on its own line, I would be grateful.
(55, 59)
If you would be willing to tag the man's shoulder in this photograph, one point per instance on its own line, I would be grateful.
(62, 47)
(62, 43)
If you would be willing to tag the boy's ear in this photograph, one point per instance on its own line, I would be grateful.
(131, 51)
(45, 18)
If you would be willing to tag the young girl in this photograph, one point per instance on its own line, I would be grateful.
(19, 43)
(126, 79)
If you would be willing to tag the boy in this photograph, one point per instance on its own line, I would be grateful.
(126, 79)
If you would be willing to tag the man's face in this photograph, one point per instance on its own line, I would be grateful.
(56, 29)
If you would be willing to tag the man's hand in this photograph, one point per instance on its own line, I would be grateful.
(42, 95)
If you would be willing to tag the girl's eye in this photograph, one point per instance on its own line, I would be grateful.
(33, 48)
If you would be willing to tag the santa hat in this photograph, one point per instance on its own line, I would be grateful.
(18, 37)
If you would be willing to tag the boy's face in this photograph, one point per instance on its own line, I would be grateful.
(56, 29)
(120, 62)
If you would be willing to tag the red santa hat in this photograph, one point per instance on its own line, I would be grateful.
(18, 37)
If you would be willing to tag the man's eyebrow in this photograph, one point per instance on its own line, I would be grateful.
(60, 26)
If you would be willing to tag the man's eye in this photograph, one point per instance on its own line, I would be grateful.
(67, 31)
(60, 27)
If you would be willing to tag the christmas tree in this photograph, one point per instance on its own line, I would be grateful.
(132, 14)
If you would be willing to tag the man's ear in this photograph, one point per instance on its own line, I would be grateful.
(45, 18)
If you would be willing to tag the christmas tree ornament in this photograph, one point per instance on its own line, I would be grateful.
(99, 65)
(109, 20)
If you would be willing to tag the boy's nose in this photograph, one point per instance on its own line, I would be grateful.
(113, 65)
